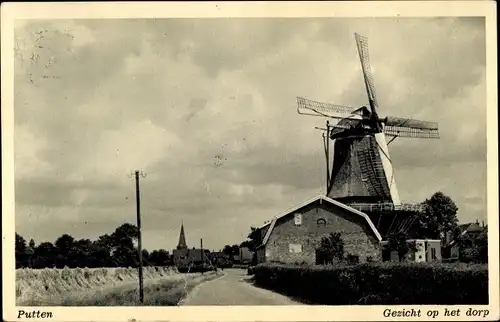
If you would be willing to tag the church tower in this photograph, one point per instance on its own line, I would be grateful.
(182, 238)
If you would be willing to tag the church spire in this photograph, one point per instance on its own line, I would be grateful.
(182, 238)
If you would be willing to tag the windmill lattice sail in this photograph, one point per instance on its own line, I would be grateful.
(411, 128)
(364, 56)
(393, 126)
(315, 108)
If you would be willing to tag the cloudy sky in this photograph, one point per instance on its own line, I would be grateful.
(207, 108)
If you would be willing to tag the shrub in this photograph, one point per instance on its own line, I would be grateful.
(469, 255)
(399, 242)
(378, 283)
(331, 249)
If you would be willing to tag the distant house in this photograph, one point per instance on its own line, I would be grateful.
(245, 255)
(468, 232)
(295, 235)
(220, 259)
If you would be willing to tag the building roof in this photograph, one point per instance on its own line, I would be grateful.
(264, 225)
(373, 207)
(323, 198)
(472, 227)
(182, 238)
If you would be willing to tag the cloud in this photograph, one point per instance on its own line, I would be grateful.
(27, 148)
(206, 107)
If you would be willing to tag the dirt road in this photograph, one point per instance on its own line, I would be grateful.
(234, 288)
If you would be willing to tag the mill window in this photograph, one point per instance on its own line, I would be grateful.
(321, 222)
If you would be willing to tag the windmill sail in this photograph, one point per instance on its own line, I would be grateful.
(315, 108)
(411, 128)
(364, 57)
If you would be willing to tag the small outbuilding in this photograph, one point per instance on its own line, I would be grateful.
(426, 250)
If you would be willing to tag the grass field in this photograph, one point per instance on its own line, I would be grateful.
(103, 286)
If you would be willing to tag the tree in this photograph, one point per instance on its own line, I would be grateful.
(65, 242)
(65, 252)
(255, 238)
(105, 241)
(160, 257)
(125, 233)
(399, 242)
(482, 246)
(101, 251)
(124, 252)
(82, 253)
(456, 234)
(438, 218)
(115, 250)
(30, 250)
(331, 248)
(153, 258)
(44, 255)
(146, 258)
(228, 250)
(20, 251)
(473, 248)
(248, 244)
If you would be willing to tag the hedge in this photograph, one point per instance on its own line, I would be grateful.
(378, 283)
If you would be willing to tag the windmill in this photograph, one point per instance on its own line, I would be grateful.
(362, 173)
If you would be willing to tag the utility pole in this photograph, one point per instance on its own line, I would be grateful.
(201, 247)
(202, 256)
(139, 237)
(326, 146)
(327, 156)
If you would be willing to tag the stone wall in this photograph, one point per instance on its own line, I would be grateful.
(291, 243)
